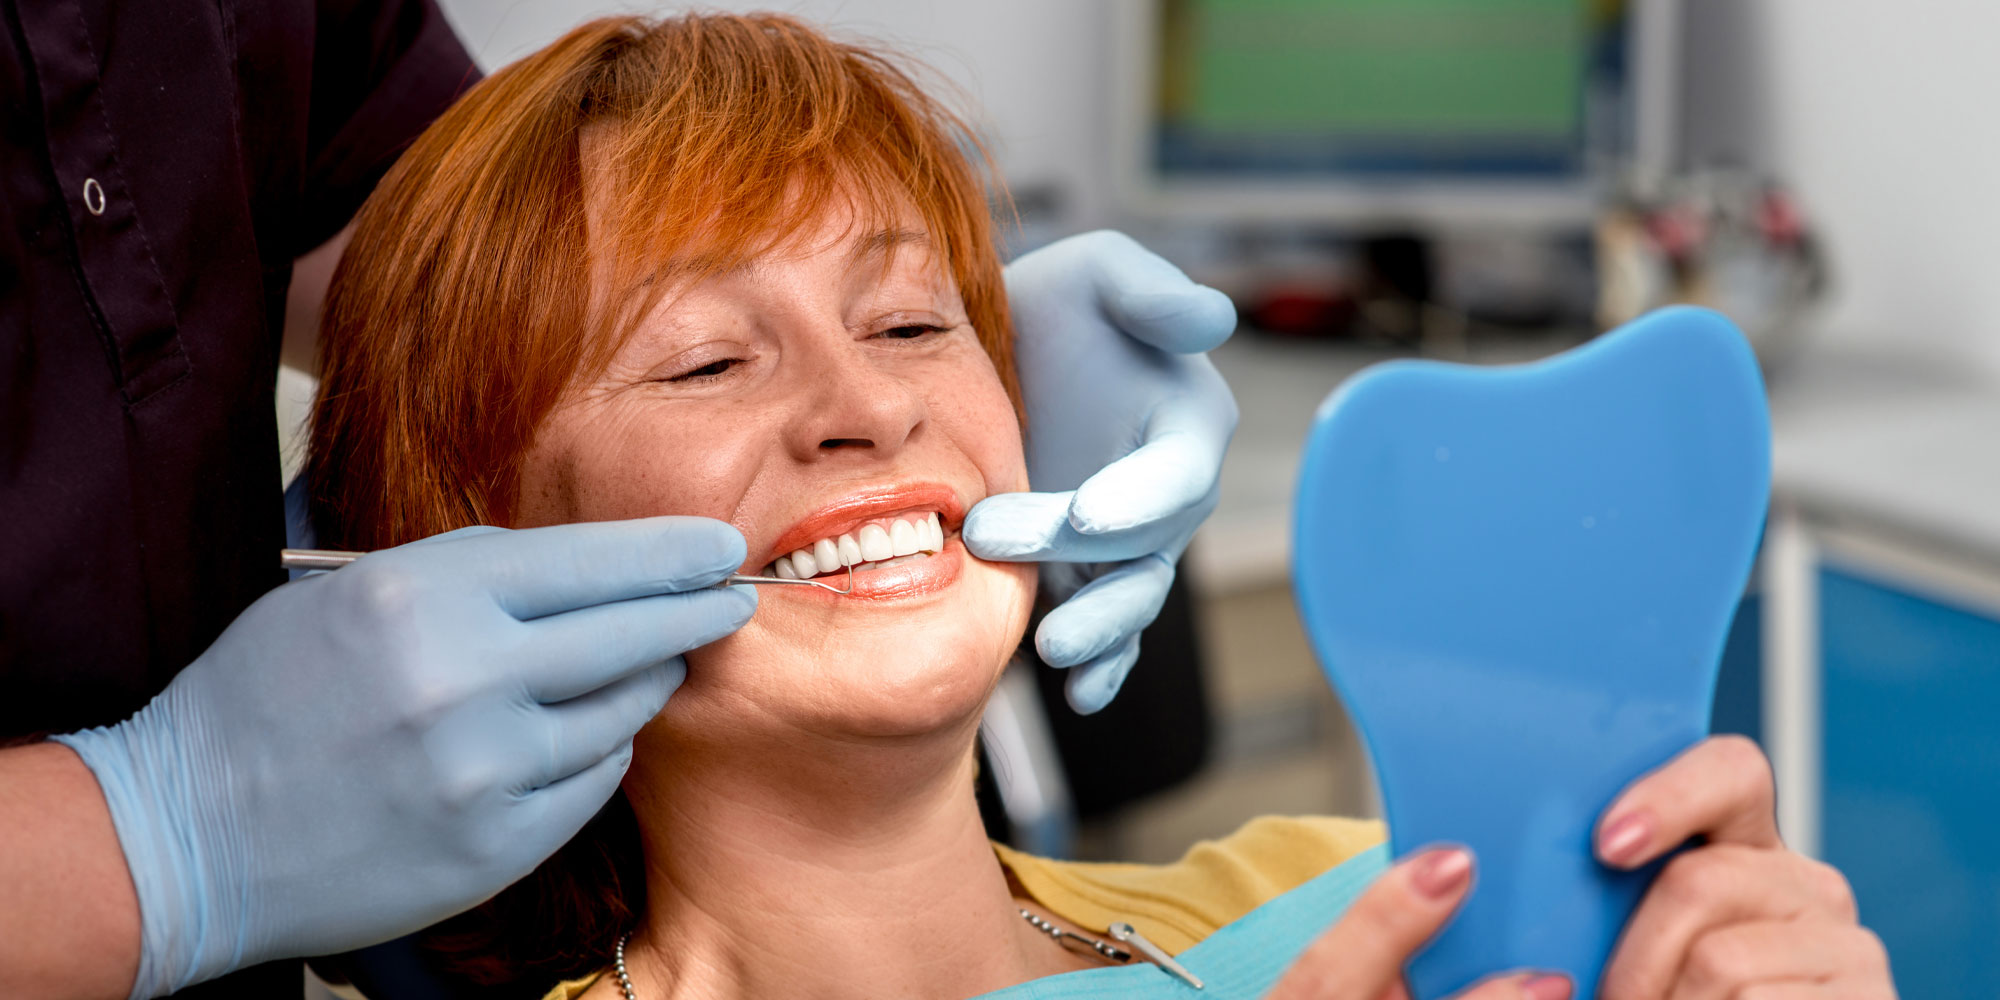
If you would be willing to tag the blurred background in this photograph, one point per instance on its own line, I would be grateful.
(1493, 181)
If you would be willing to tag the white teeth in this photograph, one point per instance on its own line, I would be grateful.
(903, 538)
(875, 545)
(804, 564)
(872, 544)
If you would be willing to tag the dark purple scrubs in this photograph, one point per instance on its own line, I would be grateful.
(164, 162)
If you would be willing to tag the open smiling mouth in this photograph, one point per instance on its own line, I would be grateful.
(896, 541)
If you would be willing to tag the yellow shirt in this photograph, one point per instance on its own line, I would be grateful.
(1177, 905)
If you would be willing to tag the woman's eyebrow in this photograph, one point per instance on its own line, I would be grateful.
(881, 241)
(704, 264)
(713, 266)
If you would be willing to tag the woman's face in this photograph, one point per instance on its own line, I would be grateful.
(814, 399)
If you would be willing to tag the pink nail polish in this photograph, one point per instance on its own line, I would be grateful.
(1625, 841)
(1443, 872)
(1546, 987)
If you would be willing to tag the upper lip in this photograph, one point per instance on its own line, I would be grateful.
(850, 512)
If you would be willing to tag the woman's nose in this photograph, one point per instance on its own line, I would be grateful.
(859, 406)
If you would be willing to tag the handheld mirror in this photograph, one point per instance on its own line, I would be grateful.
(1519, 580)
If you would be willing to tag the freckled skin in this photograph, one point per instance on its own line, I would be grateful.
(760, 396)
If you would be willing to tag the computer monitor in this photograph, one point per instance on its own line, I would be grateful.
(1418, 115)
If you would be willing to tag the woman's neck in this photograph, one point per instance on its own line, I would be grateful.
(847, 869)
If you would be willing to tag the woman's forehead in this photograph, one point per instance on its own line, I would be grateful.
(899, 247)
(862, 228)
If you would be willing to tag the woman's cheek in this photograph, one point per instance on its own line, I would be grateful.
(667, 465)
(980, 417)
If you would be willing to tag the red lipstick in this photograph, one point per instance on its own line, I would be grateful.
(849, 514)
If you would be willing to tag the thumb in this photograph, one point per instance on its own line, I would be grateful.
(1362, 956)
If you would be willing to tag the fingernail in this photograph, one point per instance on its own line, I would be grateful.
(1442, 873)
(1546, 987)
(1625, 840)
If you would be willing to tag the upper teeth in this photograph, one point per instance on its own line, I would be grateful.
(872, 543)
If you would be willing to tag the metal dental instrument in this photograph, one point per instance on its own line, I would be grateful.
(735, 578)
(1127, 934)
(335, 559)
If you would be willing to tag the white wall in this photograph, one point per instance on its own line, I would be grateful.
(1031, 66)
(1886, 115)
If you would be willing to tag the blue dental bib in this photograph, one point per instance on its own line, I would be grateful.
(1519, 580)
(1239, 962)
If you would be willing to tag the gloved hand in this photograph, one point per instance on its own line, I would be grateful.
(367, 751)
(1127, 425)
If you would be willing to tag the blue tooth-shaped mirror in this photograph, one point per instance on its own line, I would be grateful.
(1519, 580)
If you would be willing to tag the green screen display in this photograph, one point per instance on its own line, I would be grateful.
(1376, 67)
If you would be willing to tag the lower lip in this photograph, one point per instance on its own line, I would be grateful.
(889, 583)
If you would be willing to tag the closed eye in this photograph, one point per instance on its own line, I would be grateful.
(912, 331)
(707, 371)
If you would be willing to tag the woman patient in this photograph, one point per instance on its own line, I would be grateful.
(727, 267)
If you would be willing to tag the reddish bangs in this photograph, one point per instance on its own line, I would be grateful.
(462, 308)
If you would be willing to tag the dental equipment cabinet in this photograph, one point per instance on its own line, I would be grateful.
(1868, 662)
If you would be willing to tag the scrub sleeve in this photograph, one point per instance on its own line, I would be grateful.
(162, 165)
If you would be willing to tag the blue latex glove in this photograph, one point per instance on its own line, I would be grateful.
(368, 751)
(1127, 425)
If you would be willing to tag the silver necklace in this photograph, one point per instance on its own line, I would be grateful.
(624, 979)
(1104, 949)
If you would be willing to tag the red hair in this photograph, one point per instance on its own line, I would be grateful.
(464, 308)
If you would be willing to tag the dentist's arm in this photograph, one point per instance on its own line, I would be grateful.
(69, 920)
(1127, 425)
(365, 752)
(305, 297)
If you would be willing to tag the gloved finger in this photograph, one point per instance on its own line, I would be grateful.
(571, 654)
(582, 731)
(1092, 685)
(422, 544)
(1169, 477)
(1035, 527)
(469, 531)
(1151, 300)
(552, 814)
(544, 571)
(1107, 611)
(1017, 527)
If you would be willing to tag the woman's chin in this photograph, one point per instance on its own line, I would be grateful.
(892, 670)
(906, 705)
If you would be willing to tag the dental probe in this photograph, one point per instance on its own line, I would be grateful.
(335, 559)
(1127, 934)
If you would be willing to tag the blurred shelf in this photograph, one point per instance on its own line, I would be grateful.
(1872, 443)
(1883, 446)
(1279, 384)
